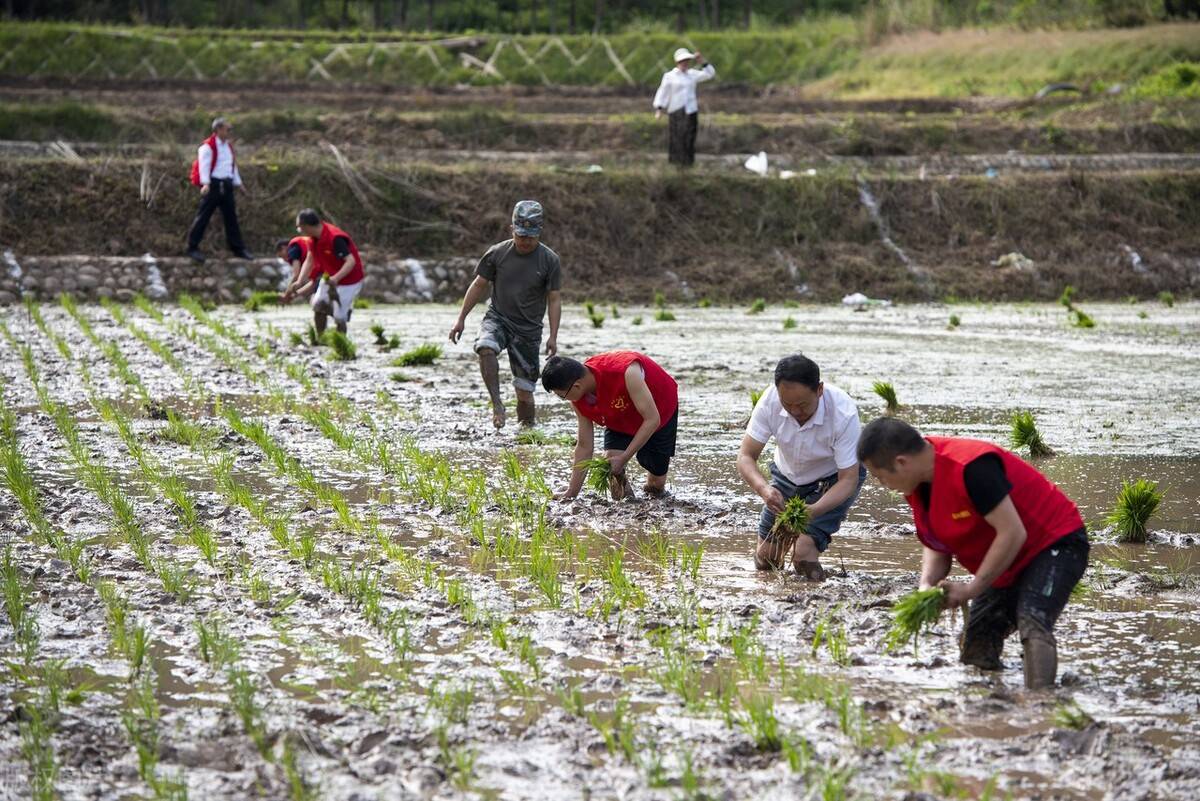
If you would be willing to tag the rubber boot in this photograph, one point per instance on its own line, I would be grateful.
(1041, 658)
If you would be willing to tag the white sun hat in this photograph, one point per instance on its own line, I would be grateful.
(683, 54)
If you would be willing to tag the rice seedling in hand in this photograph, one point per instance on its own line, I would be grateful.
(1136, 502)
(758, 306)
(789, 323)
(259, 299)
(887, 392)
(664, 316)
(790, 523)
(598, 471)
(343, 348)
(377, 330)
(1026, 435)
(911, 614)
(755, 394)
(422, 354)
(1166, 298)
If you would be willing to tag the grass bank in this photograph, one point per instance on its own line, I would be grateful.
(622, 235)
(834, 55)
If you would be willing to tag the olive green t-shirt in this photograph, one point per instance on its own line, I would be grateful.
(520, 284)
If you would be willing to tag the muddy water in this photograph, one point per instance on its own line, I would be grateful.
(1112, 401)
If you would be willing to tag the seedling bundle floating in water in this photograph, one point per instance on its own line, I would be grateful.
(916, 611)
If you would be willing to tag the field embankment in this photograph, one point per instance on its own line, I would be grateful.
(625, 234)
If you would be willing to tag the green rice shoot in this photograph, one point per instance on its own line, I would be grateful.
(343, 348)
(392, 343)
(1026, 435)
(789, 323)
(955, 321)
(422, 354)
(758, 306)
(1166, 298)
(597, 470)
(912, 614)
(377, 330)
(793, 520)
(1081, 319)
(259, 299)
(755, 394)
(597, 320)
(887, 392)
(664, 316)
(1136, 502)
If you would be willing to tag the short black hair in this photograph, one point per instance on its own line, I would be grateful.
(561, 372)
(885, 438)
(798, 369)
(308, 217)
(282, 243)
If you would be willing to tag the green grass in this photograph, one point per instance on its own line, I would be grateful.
(1136, 503)
(1025, 434)
(259, 299)
(913, 613)
(420, 355)
(887, 392)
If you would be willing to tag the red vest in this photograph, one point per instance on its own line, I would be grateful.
(952, 525)
(305, 244)
(212, 145)
(614, 408)
(324, 260)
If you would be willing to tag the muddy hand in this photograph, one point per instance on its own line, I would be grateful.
(456, 331)
(774, 500)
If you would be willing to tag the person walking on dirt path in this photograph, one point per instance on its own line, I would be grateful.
(332, 255)
(815, 427)
(676, 96)
(215, 172)
(1021, 538)
(293, 251)
(635, 400)
(523, 278)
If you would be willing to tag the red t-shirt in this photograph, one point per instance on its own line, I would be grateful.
(951, 523)
(327, 262)
(612, 407)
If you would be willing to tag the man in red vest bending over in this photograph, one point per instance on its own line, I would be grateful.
(294, 251)
(1016, 532)
(636, 402)
(333, 254)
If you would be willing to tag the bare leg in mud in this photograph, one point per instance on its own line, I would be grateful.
(319, 322)
(489, 368)
(526, 408)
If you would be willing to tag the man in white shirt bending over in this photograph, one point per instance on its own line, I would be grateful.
(676, 95)
(815, 427)
(215, 172)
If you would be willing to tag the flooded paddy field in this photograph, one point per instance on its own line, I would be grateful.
(240, 569)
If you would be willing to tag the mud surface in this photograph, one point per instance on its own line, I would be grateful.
(683, 659)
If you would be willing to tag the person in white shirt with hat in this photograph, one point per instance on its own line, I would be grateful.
(676, 96)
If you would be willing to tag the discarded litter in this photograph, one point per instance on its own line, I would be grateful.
(861, 301)
(1016, 260)
(757, 164)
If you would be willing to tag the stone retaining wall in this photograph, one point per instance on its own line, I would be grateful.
(89, 278)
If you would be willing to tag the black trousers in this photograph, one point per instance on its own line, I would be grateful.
(681, 137)
(1030, 605)
(220, 194)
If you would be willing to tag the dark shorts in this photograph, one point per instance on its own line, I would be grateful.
(822, 527)
(523, 350)
(656, 454)
(1034, 600)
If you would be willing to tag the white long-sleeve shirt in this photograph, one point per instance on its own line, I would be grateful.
(225, 167)
(678, 89)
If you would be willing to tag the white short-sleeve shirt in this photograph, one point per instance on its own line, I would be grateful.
(826, 443)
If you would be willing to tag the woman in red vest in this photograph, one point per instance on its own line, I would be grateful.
(331, 253)
(1016, 532)
(636, 402)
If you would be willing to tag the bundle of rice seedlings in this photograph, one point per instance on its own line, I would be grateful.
(296, 338)
(636, 320)
(343, 348)
(1067, 298)
(1166, 298)
(954, 321)
(1026, 435)
(660, 300)
(590, 308)
(259, 299)
(1081, 319)
(598, 472)
(362, 303)
(393, 342)
(664, 316)
(1136, 502)
(616, 315)
(597, 320)
(790, 523)
(314, 338)
(704, 303)
(755, 394)
(377, 330)
(885, 390)
(758, 306)
(1069, 715)
(401, 377)
(918, 610)
(789, 323)
(422, 354)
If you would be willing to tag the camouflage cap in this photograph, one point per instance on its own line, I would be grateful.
(527, 218)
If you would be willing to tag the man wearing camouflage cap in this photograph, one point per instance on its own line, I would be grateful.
(522, 277)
